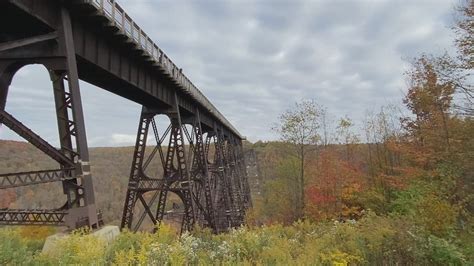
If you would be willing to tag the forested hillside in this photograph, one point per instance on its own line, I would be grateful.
(110, 170)
(110, 166)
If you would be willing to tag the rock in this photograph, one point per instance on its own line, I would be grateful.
(107, 233)
(50, 243)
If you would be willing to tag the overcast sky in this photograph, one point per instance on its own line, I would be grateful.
(255, 59)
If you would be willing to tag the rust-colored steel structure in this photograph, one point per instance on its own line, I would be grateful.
(200, 152)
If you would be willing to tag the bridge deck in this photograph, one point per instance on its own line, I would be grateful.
(115, 54)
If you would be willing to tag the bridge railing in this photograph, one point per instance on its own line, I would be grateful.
(116, 15)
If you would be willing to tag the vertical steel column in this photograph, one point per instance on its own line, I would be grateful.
(243, 167)
(236, 180)
(202, 167)
(226, 187)
(63, 102)
(6, 76)
(218, 200)
(79, 132)
(5, 79)
(189, 216)
(168, 171)
(136, 170)
(230, 174)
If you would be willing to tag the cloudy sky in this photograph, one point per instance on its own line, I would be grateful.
(255, 59)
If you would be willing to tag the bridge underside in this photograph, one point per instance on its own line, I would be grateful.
(199, 155)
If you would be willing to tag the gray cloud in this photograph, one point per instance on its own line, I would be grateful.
(254, 59)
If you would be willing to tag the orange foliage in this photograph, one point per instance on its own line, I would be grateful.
(332, 185)
(36, 232)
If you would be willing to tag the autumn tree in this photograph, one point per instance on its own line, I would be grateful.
(345, 135)
(458, 70)
(332, 184)
(326, 122)
(382, 131)
(299, 127)
(439, 140)
(429, 99)
(465, 33)
(465, 43)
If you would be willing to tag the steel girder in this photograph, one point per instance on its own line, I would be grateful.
(72, 157)
(34, 177)
(32, 217)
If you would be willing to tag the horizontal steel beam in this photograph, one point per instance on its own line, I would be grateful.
(27, 41)
(150, 184)
(32, 217)
(33, 177)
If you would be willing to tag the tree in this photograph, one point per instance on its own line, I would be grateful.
(299, 126)
(332, 185)
(325, 127)
(429, 99)
(438, 139)
(458, 70)
(345, 136)
(465, 33)
(464, 30)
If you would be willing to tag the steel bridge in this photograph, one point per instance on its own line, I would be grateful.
(200, 152)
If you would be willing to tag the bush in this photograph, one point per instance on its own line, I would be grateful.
(441, 252)
(423, 204)
(372, 240)
(15, 250)
(79, 247)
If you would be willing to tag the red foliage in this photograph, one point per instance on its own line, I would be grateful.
(7, 197)
(332, 182)
(315, 196)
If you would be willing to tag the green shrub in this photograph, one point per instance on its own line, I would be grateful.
(78, 248)
(441, 252)
(124, 247)
(372, 240)
(15, 250)
(424, 205)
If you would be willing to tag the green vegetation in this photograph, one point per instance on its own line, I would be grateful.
(370, 240)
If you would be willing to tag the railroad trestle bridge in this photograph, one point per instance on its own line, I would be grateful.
(200, 152)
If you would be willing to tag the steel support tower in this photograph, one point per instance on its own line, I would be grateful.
(199, 153)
